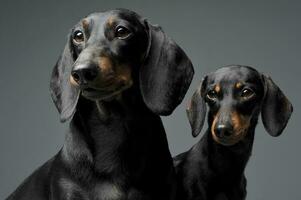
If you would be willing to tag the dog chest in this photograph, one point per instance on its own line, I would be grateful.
(100, 191)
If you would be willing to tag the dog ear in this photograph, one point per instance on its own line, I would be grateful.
(276, 108)
(196, 110)
(166, 73)
(64, 95)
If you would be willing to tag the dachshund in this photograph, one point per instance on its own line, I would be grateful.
(117, 74)
(213, 169)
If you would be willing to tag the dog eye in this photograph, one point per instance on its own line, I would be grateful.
(247, 93)
(211, 95)
(122, 32)
(78, 36)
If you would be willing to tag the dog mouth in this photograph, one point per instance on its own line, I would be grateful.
(107, 93)
(231, 140)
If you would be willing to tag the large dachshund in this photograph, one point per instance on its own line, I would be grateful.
(116, 75)
(213, 169)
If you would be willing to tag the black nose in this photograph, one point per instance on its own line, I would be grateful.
(222, 131)
(83, 74)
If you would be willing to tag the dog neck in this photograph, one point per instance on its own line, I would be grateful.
(116, 136)
(227, 160)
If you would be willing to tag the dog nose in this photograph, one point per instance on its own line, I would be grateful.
(83, 74)
(222, 131)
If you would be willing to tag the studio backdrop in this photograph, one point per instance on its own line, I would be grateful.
(263, 34)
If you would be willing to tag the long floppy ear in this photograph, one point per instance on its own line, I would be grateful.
(276, 108)
(196, 110)
(64, 95)
(166, 73)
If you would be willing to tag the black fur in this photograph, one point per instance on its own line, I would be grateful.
(116, 146)
(213, 170)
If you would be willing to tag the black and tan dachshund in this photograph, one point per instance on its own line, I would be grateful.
(213, 169)
(116, 75)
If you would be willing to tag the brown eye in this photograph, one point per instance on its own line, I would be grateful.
(247, 93)
(211, 95)
(78, 36)
(122, 32)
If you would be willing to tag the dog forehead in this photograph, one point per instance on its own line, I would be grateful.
(234, 74)
(111, 16)
(100, 18)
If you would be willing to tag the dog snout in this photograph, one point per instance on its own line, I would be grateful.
(84, 74)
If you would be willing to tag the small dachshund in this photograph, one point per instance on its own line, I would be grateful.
(213, 169)
(115, 77)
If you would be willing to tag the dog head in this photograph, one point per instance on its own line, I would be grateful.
(235, 96)
(109, 52)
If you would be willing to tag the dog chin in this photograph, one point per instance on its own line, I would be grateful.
(227, 142)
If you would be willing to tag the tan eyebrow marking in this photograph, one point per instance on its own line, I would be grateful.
(238, 85)
(111, 21)
(217, 88)
(85, 24)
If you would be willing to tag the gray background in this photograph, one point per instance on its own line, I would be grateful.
(263, 34)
